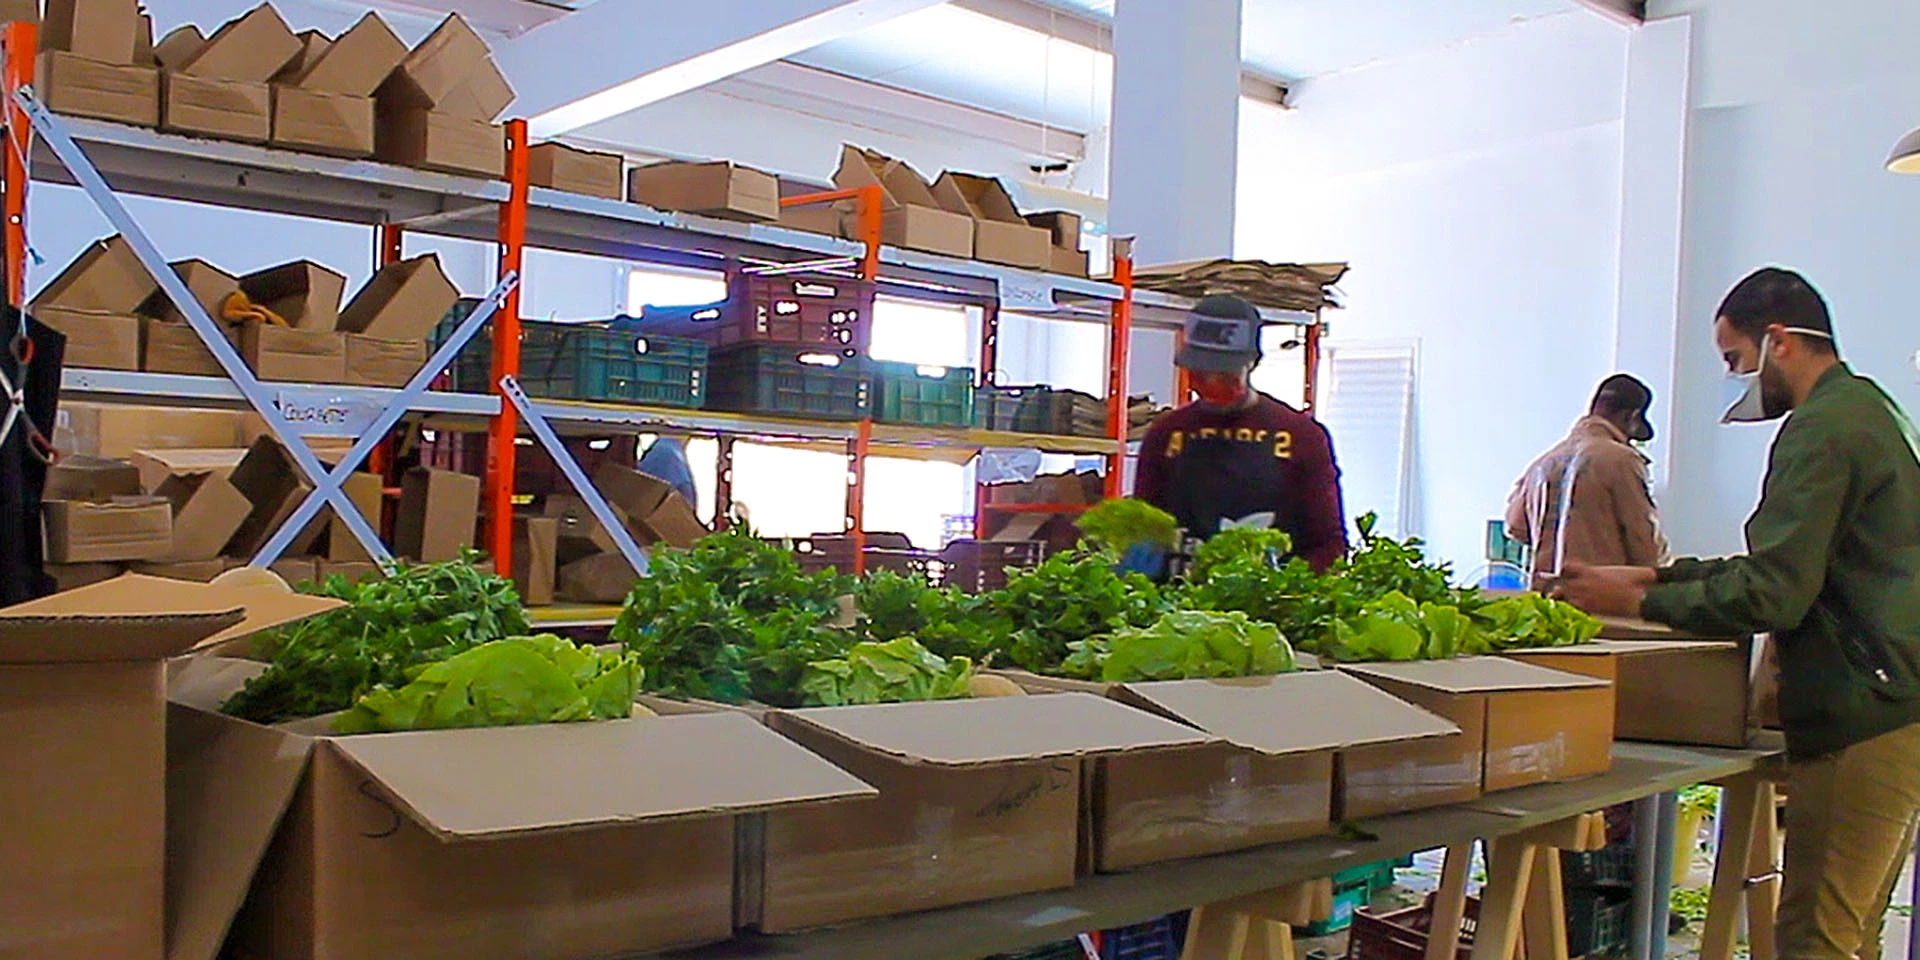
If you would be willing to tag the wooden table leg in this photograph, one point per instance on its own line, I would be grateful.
(1509, 867)
(1256, 926)
(1546, 910)
(1449, 903)
(1763, 873)
(1740, 807)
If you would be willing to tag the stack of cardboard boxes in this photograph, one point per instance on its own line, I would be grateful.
(95, 61)
(436, 110)
(590, 568)
(115, 318)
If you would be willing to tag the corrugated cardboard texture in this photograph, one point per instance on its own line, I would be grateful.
(176, 348)
(197, 571)
(717, 189)
(617, 772)
(483, 95)
(118, 430)
(1540, 736)
(437, 67)
(130, 528)
(106, 276)
(143, 618)
(327, 123)
(210, 285)
(95, 340)
(283, 354)
(402, 302)
(79, 87)
(1290, 713)
(372, 362)
(357, 62)
(1204, 800)
(304, 293)
(1473, 675)
(1387, 778)
(437, 513)
(560, 167)
(103, 30)
(91, 478)
(85, 837)
(72, 576)
(253, 47)
(535, 546)
(218, 108)
(963, 733)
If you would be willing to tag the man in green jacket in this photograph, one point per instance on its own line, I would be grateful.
(1832, 570)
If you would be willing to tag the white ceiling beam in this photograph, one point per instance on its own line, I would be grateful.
(1631, 13)
(615, 56)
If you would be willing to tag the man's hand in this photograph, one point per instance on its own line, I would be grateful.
(1606, 591)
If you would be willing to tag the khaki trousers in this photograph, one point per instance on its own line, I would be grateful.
(1850, 824)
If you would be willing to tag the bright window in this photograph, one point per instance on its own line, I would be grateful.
(669, 287)
(1368, 409)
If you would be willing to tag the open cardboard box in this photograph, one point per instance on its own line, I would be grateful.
(979, 799)
(1000, 233)
(1270, 778)
(88, 844)
(1532, 724)
(910, 217)
(575, 839)
(1668, 687)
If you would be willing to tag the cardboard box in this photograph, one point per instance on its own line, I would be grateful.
(273, 485)
(212, 107)
(600, 578)
(437, 513)
(1063, 225)
(357, 62)
(286, 355)
(78, 87)
(116, 431)
(155, 466)
(304, 293)
(402, 302)
(252, 47)
(105, 277)
(349, 571)
(655, 511)
(210, 285)
(912, 216)
(176, 348)
(195, 571)
(483, 856)
(1000, 233)
(296, 570)
(535, 545)
(82, 686)
(432, 71)
(1695, 692)
(326, 123)
(1539, 725)
(73, 576)
(560, 167)
(313, 46)
(123, 528)
(827, 218)
(91, 478)
(367, 491)
(95, 339)
(207, 511)
(580, 535)
(1073, 263)
(103, 30)
(439, 141)
(716, 189)
(180, 45)
(978, 799)
(483, 96)
(372, 362)
(1269, 781)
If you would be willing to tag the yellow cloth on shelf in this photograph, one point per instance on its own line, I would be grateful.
(239, 308)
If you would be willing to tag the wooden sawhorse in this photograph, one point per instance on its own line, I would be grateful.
(1523, 895)
(1744, 868)
(1256, 926)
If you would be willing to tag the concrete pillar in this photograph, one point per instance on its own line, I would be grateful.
(1176, 127)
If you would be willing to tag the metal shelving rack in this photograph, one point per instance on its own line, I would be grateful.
(516, 216)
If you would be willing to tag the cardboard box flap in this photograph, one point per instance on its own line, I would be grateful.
(958, 733)
(1628, 648)
(1475, 675)
(134, 617)
(228, 785)
(501, 781)
(1290, 713)
(205, 682)
(1631, 628)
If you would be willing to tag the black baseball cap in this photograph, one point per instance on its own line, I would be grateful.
(1222, 335)
(1625, 393)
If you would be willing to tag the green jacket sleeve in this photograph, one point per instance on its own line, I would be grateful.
(1789, 541)
(1687, 568)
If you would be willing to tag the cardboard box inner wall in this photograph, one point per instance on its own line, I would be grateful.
(978, 799)
(103, 30)
(1541, 725)
(1697, 692)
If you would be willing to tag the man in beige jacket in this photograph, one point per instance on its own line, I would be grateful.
(1608, 517)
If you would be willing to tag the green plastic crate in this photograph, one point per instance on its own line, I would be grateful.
(1346, 899)
(789, 381)
(923, 395)
(573, 361)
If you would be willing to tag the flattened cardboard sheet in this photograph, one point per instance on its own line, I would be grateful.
(133, 617)
(958, 733)
(1474, 675)
(1292, 712)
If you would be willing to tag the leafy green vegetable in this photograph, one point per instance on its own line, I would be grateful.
(1068, 598)
(1115, 525)
(1531, 620)
(518, 680)
(1394, 627)
(896, 671)
(1185, 645)
(421, 614)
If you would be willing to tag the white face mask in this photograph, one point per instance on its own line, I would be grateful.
(1745, 398)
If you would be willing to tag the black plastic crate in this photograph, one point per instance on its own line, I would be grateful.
(577, 361)
(980, 566)
(1598, 922)
(883, 551)
(1043, 410)
(927, 396)
(1160, 939)
(789, 381)
(1609, 866)
(829, 312)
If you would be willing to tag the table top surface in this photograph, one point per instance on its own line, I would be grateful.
(1104, 901)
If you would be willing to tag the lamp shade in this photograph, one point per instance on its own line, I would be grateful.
(1906, 154)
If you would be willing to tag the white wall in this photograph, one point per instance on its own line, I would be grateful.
(1793, 112)
(1476, 190)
